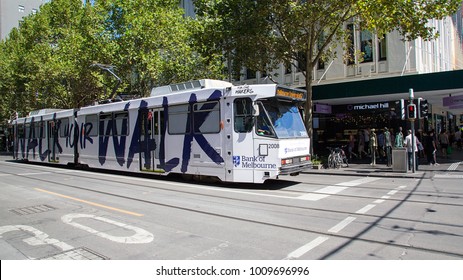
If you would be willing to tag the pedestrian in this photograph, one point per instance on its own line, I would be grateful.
(399, 139)
(366, 136)
(381, 145)
(352, 145)
(430, 148)
(373, 146)
(458, 138)
(444, 142)
(410, 148)
(388, 143)
(361, 146)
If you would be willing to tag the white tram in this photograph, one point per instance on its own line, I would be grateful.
(207, 128)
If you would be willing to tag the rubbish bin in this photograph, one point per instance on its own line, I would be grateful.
(399, 160)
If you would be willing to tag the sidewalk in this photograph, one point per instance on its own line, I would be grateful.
(363, 168)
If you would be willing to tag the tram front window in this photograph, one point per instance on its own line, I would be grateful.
(282, 119)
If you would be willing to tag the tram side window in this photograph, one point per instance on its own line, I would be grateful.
(92, 121)
(106, 123)
(63, 127)
(121, 121)
(39, 131)
(178, 119)
(206, 117)
(243, 120)
(21, 133)
(28, 131)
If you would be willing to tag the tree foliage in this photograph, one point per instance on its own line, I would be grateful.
(260, 34)
(48, 62)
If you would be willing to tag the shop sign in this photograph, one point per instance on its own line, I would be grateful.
(453, 101)
(368, 106)
(322, 108)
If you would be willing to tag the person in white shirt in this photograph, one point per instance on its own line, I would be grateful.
(410, 148)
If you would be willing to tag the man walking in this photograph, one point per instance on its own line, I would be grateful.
(411, 148)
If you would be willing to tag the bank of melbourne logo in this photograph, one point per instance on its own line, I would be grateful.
(236, 161)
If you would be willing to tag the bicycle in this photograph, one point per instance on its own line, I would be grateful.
(337, 157)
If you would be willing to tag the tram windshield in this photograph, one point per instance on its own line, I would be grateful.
(280, 119)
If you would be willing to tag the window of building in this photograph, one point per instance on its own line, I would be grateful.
(250, 74)
(302, 62)
(288, 67)
(366, 45)
(34, 11)
(21, 8)
(350, 55)
(382, 48)
(320, 42)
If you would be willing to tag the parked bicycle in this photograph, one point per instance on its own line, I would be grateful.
(337, 157)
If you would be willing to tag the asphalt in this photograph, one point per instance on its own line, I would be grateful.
(363, 168)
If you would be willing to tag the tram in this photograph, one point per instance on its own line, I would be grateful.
(203, 128)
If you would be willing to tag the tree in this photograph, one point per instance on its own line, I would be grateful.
(154, 45)
(261, 34)
(48, 61)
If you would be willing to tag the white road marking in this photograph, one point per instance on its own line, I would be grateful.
(366, 209)
(393, 192)
(448, 176)
(39, 238)
(32, 174)
(358, 182)
(453, 166)
(344, 223)
(322, 193)
(330, 190)
(307, 247)
(141, 236)
(341, 225)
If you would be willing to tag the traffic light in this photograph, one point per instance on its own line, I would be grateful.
(411, 111)
(423, 108)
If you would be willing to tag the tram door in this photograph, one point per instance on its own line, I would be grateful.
(52, 139)
(151, 122)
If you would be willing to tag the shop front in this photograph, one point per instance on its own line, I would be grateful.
(333, 127)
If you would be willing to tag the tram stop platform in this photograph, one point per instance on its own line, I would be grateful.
(362, 167)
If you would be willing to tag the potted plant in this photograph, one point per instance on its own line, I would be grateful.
(316, 163)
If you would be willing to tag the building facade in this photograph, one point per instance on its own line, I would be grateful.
(13, 11)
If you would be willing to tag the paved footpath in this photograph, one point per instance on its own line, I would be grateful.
(453, 162)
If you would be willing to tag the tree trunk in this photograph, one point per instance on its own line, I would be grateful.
(308, 105)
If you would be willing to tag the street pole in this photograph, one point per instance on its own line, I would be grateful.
(412, 124)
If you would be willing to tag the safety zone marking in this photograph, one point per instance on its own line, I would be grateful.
(338, 227)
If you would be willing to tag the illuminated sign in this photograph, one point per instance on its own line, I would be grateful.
(290, 93)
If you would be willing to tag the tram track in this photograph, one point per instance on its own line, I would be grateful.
(256, 221)
(292, 206)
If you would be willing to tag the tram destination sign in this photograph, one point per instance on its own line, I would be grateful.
(291, 93)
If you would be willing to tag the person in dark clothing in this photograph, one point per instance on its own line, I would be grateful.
(430, 147)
